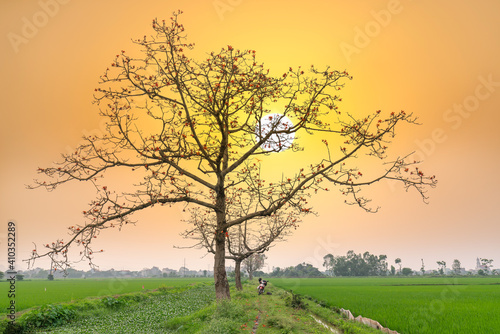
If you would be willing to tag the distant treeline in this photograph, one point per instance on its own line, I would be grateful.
(353, 264)
(300, 270)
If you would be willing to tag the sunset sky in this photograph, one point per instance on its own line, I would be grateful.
(439, 60)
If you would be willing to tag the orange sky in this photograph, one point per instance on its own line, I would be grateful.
(438, 60)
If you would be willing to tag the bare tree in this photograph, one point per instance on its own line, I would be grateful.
(253, 263)
(244, 241)
(189, 131)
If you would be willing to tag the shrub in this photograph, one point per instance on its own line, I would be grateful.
(164, 288)
(48, 315)
(113, 303)
(13, 328)
(295, 301)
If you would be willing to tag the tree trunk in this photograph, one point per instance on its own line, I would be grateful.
(237, 277)
(250, 275)
(220, 276)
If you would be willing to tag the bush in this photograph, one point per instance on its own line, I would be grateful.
(295, 301)
(13, 328)
(164, 288)
(48, 315)
(113, 303)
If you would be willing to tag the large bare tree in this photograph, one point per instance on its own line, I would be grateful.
(191, 131)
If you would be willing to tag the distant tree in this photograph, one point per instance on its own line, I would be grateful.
(302, 270)
(393, 270)
(191, 131)
(406, 271)
(398, 261)
(19, 277)
(456, 267)
(259, 273)
(1, 274)
(481, 272)
(382, 265)
(253, 263)
(329, 263)
(277, 272)
(486, 263)
(50, 277)
(442, 265)
(422, 269)
(353, 264)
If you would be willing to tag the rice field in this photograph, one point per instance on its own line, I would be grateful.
(411, 305)
(32, 293)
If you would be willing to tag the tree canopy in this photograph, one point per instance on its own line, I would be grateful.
(191, 131)
(353, 264)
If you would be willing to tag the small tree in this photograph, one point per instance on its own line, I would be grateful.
(406, 271)
(329, 264)
(398, 261)
(243, 241)
(422, 269)
(393, 270)
(442, 265)
(457, 267)
(486, 263)
(253, 263)
(190, 131)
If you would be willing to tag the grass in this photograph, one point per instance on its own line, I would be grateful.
(408, 305)
(266, 313)
(412, 305)
(30, 293)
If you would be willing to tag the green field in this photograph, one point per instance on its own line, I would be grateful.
(407, 305)
(40, 292)
(411, 305)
